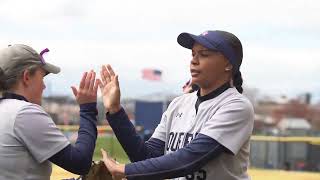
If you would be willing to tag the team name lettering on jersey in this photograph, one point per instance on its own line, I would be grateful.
(178, 140)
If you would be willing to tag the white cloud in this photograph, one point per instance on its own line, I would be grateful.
(125, 15)
(132, 35)
(282, 71)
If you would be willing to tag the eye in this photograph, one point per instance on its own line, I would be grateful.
(203, 54)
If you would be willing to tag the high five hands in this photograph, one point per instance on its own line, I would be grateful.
(110, 91)
(109, 86)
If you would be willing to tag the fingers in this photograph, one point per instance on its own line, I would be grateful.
(87, 80)
(103, 78)
(117, 80)
(96, 85)
(112, 74)
(104, 154)
(109, 162)
(92, 80)
(107, 74)
(116, 169)
(83, 80)
(74, 90)
(89, 83)
(100, 85)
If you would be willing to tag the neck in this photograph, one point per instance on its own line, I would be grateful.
(206, 90)
(19, 91)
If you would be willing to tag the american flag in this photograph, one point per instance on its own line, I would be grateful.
(151, 74)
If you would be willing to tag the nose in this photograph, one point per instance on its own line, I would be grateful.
(195, 60)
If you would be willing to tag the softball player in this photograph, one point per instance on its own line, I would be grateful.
(29, 139)
(202, 135)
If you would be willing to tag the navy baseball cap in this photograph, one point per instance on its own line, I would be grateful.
(224, 42)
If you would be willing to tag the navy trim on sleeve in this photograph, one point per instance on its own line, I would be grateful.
(180, 163)
(131, 142)
(78, 158)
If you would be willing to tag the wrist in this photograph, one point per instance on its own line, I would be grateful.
(115, 109)
(119, 171)
(88, 107)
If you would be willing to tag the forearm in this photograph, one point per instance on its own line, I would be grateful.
(131, 142)
(73, 160)
(177, 164)
(87, 133)
(77, 158)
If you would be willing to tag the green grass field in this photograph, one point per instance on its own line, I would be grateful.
(112, 146)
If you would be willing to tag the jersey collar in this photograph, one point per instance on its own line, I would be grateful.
(8, 95)
(211, 95)
(214, 93)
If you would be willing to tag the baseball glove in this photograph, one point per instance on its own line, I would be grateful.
(98, 171)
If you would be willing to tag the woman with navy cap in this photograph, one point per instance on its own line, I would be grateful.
(202, 135)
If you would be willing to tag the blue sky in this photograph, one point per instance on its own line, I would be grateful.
(280, 38)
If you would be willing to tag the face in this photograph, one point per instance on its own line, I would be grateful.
(208, 68)
(36, 86)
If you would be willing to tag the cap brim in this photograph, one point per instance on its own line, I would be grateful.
(50, 68)
(187, 40)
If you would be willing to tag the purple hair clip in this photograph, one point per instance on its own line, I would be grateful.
(41, 55)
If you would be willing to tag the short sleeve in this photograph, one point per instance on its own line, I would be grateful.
(231, 125)
(160, 131)
(37, 131)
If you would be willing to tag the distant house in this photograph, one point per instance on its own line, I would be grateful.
(294, 126)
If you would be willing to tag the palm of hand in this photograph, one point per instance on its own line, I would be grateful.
(110, 89)
(111, 95)
(88, 87)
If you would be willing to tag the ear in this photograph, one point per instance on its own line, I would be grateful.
(25, 78)
(228, 67)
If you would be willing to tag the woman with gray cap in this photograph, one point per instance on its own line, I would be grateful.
(202, 135)
(29, 139)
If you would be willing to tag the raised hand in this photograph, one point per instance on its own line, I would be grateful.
(87, 92)
(110, 89)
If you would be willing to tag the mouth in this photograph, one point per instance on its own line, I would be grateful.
(194, 72)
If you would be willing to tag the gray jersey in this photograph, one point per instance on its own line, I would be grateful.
(227, 118)
(28, 137)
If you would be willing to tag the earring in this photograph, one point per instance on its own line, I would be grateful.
(228, 69)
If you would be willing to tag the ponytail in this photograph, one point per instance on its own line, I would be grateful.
(237, 81)
(2, 79)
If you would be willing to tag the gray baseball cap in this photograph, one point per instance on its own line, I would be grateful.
(16, 56)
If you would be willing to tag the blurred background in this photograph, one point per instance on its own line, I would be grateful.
(281, 65)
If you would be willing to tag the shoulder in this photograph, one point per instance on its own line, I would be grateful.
(33, 117)
(31, 108)
(233, 100)
(18, 106)
(31, 111)
(183, 99)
